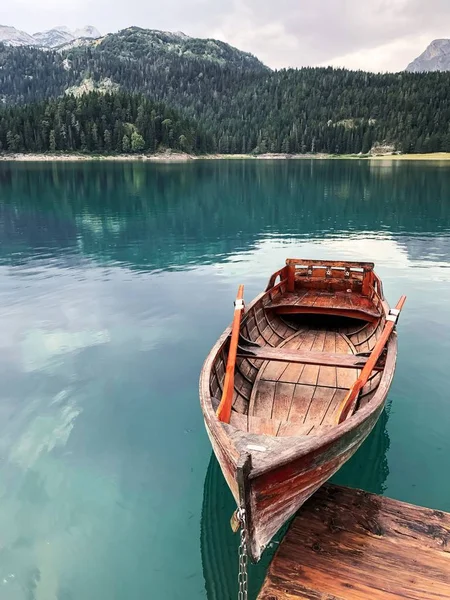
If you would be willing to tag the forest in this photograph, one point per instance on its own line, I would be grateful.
(228, 101)
(98, 123)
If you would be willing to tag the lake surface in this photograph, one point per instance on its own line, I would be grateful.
(115, 281)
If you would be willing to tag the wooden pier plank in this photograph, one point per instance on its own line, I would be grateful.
(347, 544)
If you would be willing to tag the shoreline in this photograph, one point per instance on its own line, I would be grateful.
(178, 157)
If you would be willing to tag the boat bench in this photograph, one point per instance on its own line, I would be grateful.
(328, 359)
(344, 304)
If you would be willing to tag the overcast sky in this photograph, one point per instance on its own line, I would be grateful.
(377, 35)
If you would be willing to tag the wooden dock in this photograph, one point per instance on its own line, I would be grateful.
(347, 544)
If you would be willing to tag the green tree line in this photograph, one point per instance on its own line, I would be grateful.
(241, 105)
(98, 123)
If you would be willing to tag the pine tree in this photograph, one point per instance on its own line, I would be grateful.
(137, 142)
(52, 141)
(107, 140)
(126, 146)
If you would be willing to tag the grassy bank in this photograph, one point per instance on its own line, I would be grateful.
(180, 157)
(432, 156)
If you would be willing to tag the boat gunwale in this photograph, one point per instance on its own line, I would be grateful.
(288, 448)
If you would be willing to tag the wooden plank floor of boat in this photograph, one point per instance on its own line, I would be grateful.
(291, 398)
(346, 544)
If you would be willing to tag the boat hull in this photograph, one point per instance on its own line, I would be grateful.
(272, 475)
(276, 495)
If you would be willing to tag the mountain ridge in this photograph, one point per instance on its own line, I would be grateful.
(129, 42)
(436, 57)
(50, 38)
(15, 37)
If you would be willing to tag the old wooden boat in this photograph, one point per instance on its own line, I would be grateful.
(294, 386)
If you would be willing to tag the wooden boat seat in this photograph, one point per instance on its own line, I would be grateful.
(300, 385)
(347, 304)
(329, 359)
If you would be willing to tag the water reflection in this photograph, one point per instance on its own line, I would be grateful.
(368, 469)
(170, 216)
(219, 546)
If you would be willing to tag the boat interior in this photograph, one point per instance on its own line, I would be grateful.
(301, 348)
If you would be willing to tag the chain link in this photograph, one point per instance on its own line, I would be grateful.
(243, 576)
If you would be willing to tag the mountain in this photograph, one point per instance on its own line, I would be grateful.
(235, 99)
(76, 43)
(50, 38)
(435, 58)
(87, 32)
(15, 37)
(182, 70)
(136, 43)
(53, 37)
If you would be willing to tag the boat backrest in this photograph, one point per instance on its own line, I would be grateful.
(338, 275)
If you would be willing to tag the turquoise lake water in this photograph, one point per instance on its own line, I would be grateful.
(115, 281)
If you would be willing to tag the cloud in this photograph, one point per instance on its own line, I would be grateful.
(377, 35)
(393, 56)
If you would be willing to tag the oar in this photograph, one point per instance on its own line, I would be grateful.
(348, 404)
(224, 409)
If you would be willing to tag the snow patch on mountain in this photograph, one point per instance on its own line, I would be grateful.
(51, 38)
(14, 37)
(86, 32)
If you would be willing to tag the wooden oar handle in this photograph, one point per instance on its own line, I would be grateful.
(239, 297)
(400, 303)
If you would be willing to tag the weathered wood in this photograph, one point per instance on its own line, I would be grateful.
(349, 402)
(351, 545)
(224, 410)
(284, 411)
(348, 361)
(367, 285)
(320, 302)
(243, 468)
(303, 342)
(281, 274)
(263, 425)
(290, 278)
(333, 263)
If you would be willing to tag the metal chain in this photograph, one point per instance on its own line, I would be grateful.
(243, 576)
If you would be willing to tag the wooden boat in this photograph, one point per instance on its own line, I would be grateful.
(292, 389)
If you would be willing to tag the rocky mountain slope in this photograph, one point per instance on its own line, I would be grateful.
(53, 37)
(15, 37)
(137, 43)
(435, 58)
(157, 63)
(50, 38)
